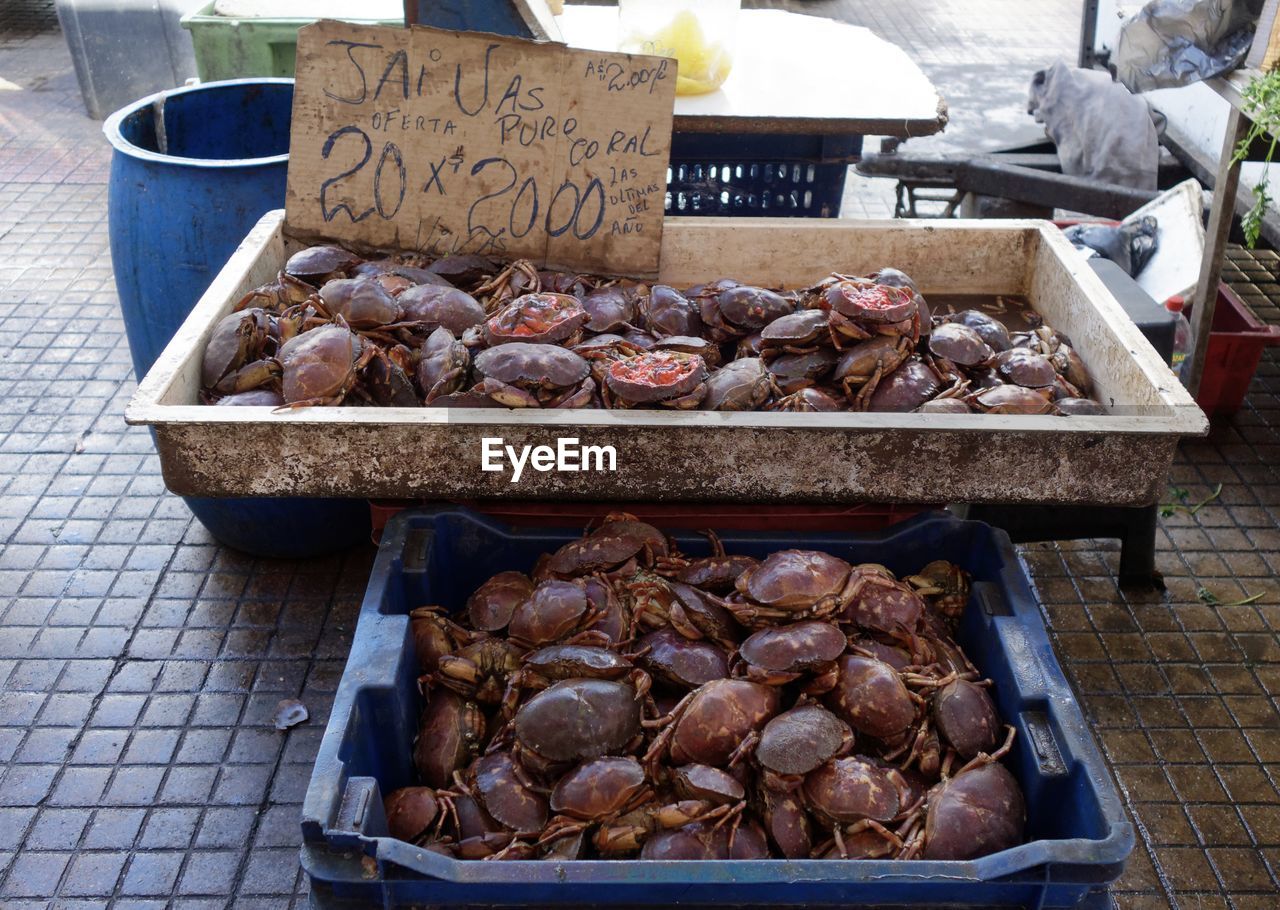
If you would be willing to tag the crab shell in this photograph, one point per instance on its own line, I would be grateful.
(1026, 368)
(792, 372)
(1012, 399)
(721, 714)
(1070, 407)
(598, 788)
(844, 790)
(491, 606)
(906, 388)
(871, 698)
(536, 319)
(964, 713)
(579, 719)
(794, 579)
(362, 302)
(975, 813)
(866, 301)
(435, 306)
(799, 740)
(960, 344)
(655, 376)
(609, 309)
(318, 264)
(740, 385)
(320, 363)
(443, 365)
(753, 308)
(795, 328)
(506, 797)
(944, 406)
(668, 312)
(795, 648)
(990, 330)
(532, 366)
(808, 400)
(688, 344)
(677, 660)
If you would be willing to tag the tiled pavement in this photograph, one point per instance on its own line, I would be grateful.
(140, 663)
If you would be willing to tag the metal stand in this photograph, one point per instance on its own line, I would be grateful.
(1135, 528)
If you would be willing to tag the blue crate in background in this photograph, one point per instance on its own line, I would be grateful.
(769, 175)
(1078, 834)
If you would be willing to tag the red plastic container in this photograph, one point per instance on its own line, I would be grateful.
(1236, 340)
(682, 516)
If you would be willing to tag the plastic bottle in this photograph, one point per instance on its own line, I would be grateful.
(1181, 334)
(700, 35)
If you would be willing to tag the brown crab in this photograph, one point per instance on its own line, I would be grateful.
(543, 318)
(791, 585)
(524, 375)
(740, 385)
(657, 377)
(861, 367)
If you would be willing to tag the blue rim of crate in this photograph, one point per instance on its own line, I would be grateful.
(379, 643)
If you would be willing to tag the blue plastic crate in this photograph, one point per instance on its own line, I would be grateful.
(1079, 835)
(762, 175)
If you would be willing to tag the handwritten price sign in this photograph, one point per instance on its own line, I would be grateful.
(448, 142)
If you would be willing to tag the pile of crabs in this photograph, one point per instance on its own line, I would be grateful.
(624, 700)
(461, 331)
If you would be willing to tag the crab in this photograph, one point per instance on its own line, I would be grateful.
(277, 296)
(716, 573)
(322, 366)
(795, 333)
(945, 587)
(318, 264)
(740, 385)
(786, 820)
(793, 372)
(443, 365)
(450, 734)
(944, 406)
(966, 717)
(609, 308)
(254, 398)
(666, 311)
(597, 791)
(783, 654)
(578, 719)
(913, 383)
(1075, 407)
(238, 357)
(492, 604)
(545, 666)
(992, 332)
(434, 635)
(798, 741)
(960, 344)
(717, 724)
(506, 793)
(751, 309)
(879, 602)
(680, 661)
(863, 365)
(978, 811)
(809, 401)
(854, 794)
(554, 612)
(479, 671)
(859, 308)
(1011, 399)
(432, 306)
(543, 318)
(518, 277)
(696, 614)
(412, 813)
(629, 832)
(870, 696)
(791, 585)
(1026, 368)
(363, 304)
(690, 344)
(524, 375)
(662, 377)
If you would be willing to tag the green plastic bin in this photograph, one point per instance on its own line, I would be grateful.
(236, 48)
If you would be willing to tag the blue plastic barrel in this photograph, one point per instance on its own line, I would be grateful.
(193, 170)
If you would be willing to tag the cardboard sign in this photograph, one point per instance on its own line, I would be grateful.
(454, 142)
